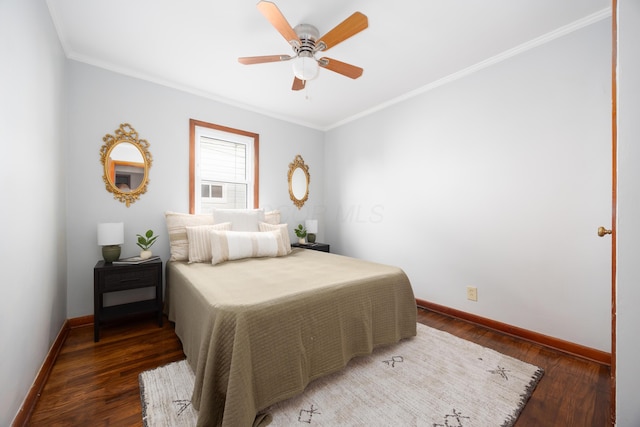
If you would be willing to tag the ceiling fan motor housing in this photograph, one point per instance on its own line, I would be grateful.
(308, 34)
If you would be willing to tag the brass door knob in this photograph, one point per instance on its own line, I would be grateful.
(602, 231)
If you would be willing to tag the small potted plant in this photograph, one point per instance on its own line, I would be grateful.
(145, 242)
(301, 232)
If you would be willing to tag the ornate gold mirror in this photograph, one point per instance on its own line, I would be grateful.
(299, 181)
(126, 161)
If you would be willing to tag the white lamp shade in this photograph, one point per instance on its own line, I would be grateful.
(110, 233)
(311, 225)
(305, 67)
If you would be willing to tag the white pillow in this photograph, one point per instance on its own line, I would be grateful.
(231, 245)
(284, 243)
(240, 219)
(177, 229)
(272, 217)
(200, 241)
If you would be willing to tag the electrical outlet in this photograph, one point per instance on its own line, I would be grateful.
(472, 293)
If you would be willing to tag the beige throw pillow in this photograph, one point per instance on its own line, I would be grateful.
(284, 243)
(177, 230)
(232, 245)
(200, 241)
(240, 219)
(272, 217)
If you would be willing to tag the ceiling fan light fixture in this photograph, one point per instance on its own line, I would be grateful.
(305, 67)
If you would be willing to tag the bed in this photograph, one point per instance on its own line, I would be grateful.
(256, 331)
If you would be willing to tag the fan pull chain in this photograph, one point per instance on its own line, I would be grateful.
(306, 92)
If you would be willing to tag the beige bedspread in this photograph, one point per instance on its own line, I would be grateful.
(257, 331)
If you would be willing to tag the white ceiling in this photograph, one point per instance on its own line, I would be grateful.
(410, 46)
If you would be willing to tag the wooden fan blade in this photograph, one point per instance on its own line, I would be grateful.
(347, 28)
(298, 84)
(279, 22)
(341, 67)
(248, 60)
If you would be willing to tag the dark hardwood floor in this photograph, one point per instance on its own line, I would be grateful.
(96, 384)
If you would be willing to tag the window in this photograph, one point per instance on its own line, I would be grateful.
(223, 168)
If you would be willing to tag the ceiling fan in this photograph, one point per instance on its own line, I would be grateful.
(305, 43)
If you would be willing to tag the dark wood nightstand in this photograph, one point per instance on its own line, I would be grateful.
(322, 247)
(113, 278)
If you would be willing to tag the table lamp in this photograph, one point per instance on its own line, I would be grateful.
(110, 237)
(312, 228)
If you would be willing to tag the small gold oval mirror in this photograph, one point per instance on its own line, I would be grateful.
(299, 181)
(126, 161)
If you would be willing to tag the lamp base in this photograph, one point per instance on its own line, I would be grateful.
(311, 237)
(111, 253)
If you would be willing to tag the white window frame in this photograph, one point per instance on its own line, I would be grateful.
(197, 129)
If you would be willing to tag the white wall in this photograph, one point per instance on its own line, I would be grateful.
(99, 101)
(628, 231)
(498, 180)
(32, 247)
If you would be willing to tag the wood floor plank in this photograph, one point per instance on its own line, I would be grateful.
(97, 383)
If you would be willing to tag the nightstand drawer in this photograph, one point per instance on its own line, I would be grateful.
(121, 279)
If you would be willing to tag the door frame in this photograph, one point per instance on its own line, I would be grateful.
(614, 198)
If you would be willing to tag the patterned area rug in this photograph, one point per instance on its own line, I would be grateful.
(434, 379)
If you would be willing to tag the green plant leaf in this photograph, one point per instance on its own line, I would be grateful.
(300, 231)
